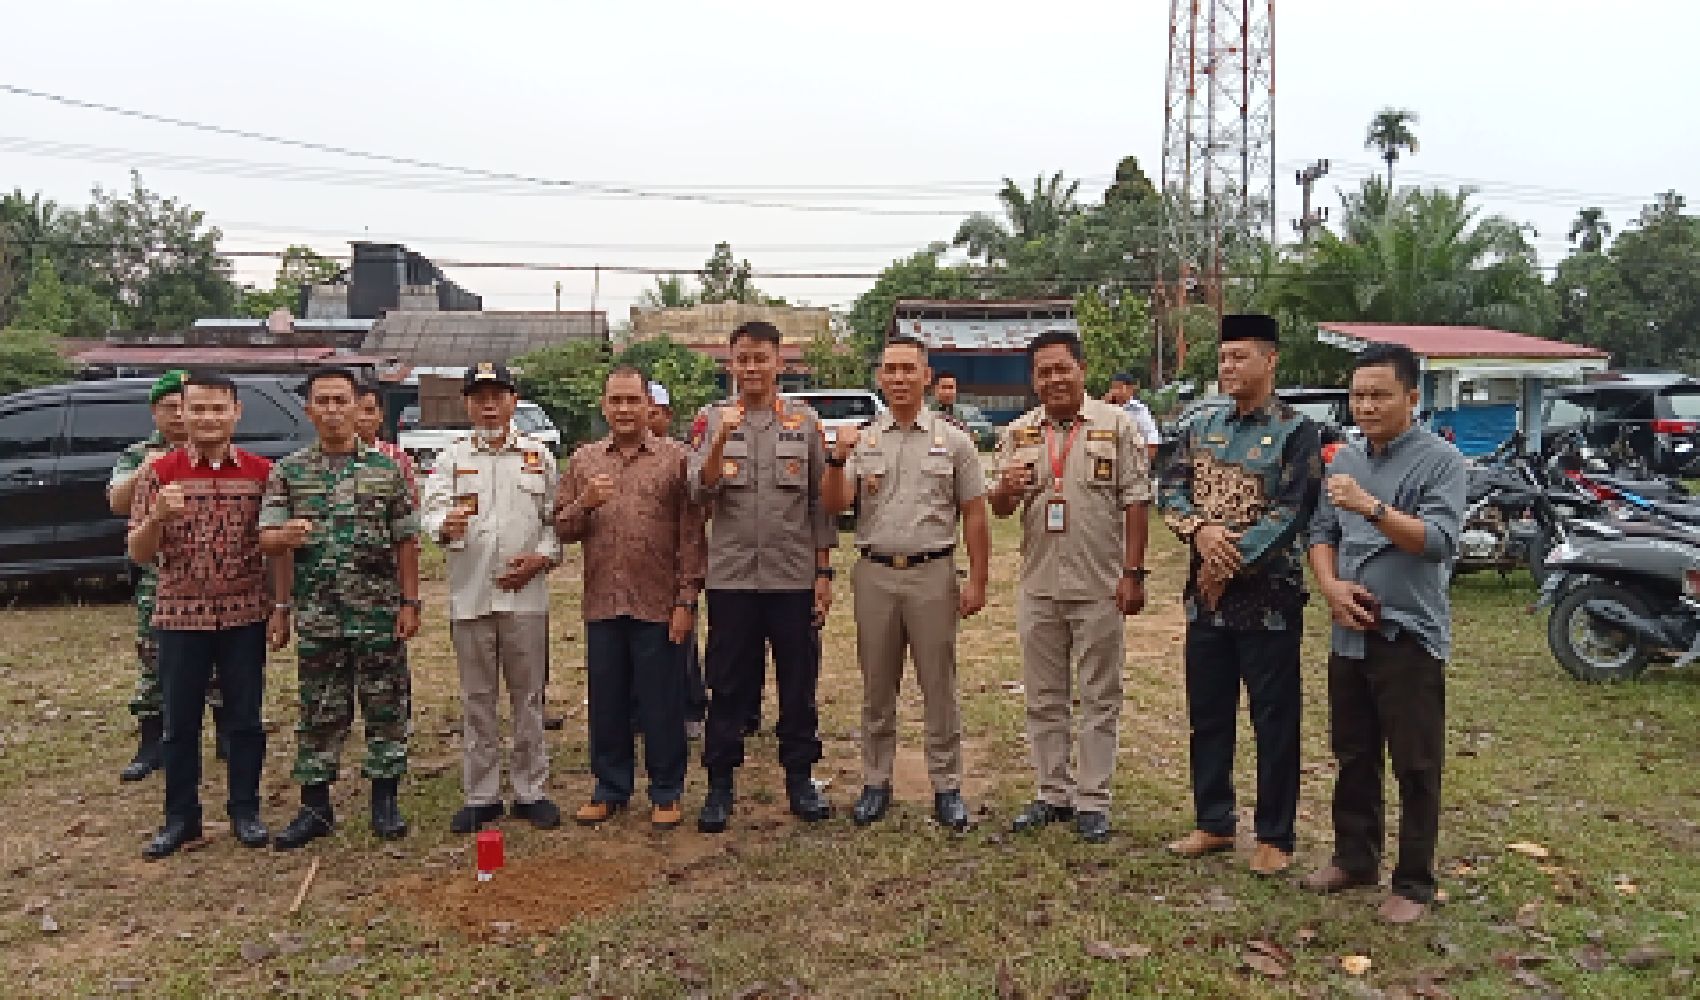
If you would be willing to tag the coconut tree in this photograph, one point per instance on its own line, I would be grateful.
(1590, 230)
(1390, 135)
(1028, 216)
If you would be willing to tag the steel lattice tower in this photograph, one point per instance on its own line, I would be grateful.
(1218, 141)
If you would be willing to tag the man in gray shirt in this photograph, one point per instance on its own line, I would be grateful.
(1382, 544)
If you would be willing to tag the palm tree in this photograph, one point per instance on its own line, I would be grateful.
(1591, 228)
(1390, 134)
(1027, 217)
(669, 292)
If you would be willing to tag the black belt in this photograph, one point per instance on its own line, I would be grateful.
(904, 562)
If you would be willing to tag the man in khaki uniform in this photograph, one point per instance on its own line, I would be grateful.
(490, 502)
(1076, 469)
(916, 471)
(756, 464)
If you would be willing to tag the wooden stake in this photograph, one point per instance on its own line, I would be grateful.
(306, 883)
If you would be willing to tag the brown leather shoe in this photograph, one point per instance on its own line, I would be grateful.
(592, 813)
(666, 817)
(1333, 878)
(1198, 843)
(1269, 860)
(1398, 910)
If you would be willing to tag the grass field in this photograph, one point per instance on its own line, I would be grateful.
(1599, 787)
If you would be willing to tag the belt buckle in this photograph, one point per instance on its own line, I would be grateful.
(899, 562)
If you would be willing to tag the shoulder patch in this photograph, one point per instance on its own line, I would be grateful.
(1026, 435)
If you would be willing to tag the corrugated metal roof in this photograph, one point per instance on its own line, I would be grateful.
(459, 339)
(1462, 341)
(125, 356)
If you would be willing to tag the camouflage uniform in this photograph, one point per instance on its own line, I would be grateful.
(346, 596)
(149, 698)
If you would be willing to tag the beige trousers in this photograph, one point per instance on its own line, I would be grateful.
(908, 609)
(497, 647)
(1064, 643)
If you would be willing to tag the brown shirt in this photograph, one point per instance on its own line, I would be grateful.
(211, 573)
(767, 518)
(644, 548)
(1106, 471)
(912, 481)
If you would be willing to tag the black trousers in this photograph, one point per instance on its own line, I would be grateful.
(1266, 662)
(1394, 697)
(742, 624)
(187, 661)
(636, 682)
(696, 691)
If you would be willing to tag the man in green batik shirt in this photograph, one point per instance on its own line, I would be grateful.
(344, 511)
(165, 399)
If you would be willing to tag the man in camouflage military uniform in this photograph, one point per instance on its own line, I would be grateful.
(166, 401)
(345, 512)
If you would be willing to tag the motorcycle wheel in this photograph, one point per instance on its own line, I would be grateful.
(1588, 650)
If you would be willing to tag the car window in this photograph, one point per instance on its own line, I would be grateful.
(1627, 404)
(262, 419)
(841, 407)
(968, 411)
(1565, 412)
(32, 432)
(106, 426)
(1320, 410)
(531, 420)
(1684, 405)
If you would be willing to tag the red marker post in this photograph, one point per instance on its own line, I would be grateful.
(489, 847)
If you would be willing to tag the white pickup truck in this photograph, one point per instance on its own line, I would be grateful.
(423, 443)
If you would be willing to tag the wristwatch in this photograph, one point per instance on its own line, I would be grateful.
(825, 572)
(836, 462)
(1375, 515)
(1136, 572)
(413, 602)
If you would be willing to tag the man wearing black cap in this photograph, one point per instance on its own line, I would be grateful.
(1239, 490)
(490, 503)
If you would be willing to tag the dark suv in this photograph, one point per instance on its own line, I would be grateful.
(1651, 417)
(57, 447)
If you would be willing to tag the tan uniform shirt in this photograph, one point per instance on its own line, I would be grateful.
(515, 486)
(1105, 472)
(912, 481)
(766, 516)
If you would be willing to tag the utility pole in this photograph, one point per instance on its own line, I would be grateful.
(1310, 219)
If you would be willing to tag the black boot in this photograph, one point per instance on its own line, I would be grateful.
(149, 754)
(717, 807)
(387, 820)
(315, 819)
(807, 803)
(221, 740)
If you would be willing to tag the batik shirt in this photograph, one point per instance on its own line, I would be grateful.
(1256, 473)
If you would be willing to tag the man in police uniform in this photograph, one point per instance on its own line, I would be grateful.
(490, 502)
(1076, 470)
(343, 513)
(756, 465)
(916, 472)
(1240, 490)
(165, 399)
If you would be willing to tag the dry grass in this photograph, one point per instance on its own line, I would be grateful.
(1605, 779)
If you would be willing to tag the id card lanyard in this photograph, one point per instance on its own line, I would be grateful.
(1056, 506)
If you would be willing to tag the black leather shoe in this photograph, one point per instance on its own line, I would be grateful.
(172, 836)
(1039, 814)
(807, 803)
(387, 820)
(309, 825)
(150, 755)
(950, 810)
(469, 819)
(542, 814)
(1093, 827)
(716, 811)
(249, 831)
(871, 807)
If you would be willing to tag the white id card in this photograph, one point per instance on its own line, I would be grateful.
(1056, 515)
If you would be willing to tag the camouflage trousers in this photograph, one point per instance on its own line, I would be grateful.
(149, 699)
(331, 673)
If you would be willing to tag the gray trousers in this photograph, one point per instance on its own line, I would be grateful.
(493, 649)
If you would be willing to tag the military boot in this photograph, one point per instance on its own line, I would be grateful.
(387, 820)
(150, 755)
(315, 819)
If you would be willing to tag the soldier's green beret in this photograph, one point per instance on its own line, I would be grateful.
(171, 382)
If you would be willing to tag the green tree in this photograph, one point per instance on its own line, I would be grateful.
(1116, 335)
(918, 276)
(566, 380)
(670, 292)
(690, 376)
(1390, 135)
(727, 279)
(44, 306)
(299, 267)
(834, 364)
(29, 228)
(28, 358)
(1028, 217)
(1640, 299)
(1590, 230)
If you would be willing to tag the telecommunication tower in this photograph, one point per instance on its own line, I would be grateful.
(1218, 146)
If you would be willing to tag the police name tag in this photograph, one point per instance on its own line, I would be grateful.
(1056, 515)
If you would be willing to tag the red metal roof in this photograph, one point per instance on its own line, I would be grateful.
(1462, 341)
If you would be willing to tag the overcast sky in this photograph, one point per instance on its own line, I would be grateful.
(920, 108)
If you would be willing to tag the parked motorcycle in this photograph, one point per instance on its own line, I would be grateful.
(1623, 595)
(1512, 516)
